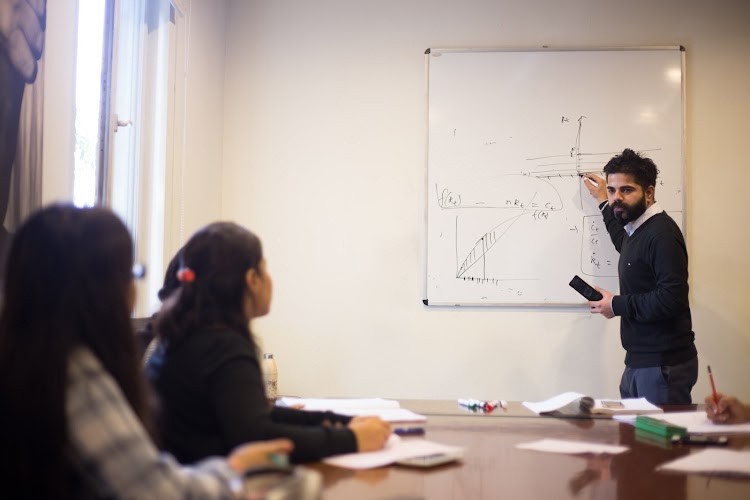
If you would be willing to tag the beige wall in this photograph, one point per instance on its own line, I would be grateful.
(200, 179)
(319, 147)
(324, 138)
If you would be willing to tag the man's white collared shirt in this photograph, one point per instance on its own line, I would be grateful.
(631, 226)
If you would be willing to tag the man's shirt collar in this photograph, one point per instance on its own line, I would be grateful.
(654, 209)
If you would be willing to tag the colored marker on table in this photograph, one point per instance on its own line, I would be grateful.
(495, 403)
(471, 404)
(479, 405)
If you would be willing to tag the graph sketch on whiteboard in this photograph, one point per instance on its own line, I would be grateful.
(532, 197)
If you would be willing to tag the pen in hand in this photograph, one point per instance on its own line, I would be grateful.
(713, 387)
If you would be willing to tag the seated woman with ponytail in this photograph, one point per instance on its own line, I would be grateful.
(74, 409)
(206, 368)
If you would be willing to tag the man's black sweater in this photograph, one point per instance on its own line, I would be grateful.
(655, 322)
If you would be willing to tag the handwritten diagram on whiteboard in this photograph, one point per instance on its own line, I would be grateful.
(508, 218)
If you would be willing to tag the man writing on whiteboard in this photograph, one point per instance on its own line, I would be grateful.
(661, 362)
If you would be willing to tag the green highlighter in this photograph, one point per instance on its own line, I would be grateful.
(659, 427)
(653, 439)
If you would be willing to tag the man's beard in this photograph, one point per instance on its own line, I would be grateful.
(629, 212)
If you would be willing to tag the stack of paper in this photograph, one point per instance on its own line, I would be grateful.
(628, 406)
(575, 404)
(387, 409)
(697, 422)
(396, 449)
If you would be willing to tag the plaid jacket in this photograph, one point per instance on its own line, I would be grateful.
(112, 452)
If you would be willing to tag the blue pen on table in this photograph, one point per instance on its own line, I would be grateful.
(409, 431)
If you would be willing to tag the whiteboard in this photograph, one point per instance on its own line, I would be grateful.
(508, 219)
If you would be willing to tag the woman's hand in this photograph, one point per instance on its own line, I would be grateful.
(259, 453)
(371, 432)
(729, 410)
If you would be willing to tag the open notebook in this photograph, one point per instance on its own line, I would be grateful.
(387, 409)
(577, 405)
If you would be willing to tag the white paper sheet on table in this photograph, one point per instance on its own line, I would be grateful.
(552, 403)
(627, 419)
(389, 415)
(333, 404)
(396, 449)
(571, 447)
(697, 422)
(711, 461)
(387, 409)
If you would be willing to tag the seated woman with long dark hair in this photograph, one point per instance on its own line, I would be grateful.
(73, 401)
(206, 366)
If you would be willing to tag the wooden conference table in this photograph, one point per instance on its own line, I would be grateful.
(493, 468)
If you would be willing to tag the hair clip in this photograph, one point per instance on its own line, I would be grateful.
(186, 275)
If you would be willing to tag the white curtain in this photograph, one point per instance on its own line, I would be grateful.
(146, 161)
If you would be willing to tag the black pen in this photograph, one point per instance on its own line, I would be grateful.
(409, 431)
(701, 439)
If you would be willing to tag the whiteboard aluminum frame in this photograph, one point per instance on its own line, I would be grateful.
(436, 52)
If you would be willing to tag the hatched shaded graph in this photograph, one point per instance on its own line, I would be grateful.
(477, 263)
(478, 253)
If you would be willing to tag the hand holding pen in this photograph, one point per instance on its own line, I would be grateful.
(728, 409)
(596, 185)
(723, 409)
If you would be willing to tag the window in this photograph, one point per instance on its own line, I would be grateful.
(90, 88)
(128, 120)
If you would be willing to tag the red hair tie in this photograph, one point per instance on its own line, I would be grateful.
(186, 275)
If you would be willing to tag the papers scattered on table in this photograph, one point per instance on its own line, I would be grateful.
(333, 404)
(697, 422)
(572, 447)
(575, 404)
(553, 403)
(387, 409)
(388, 414)
(396, 449)
(711, 461)
(626, 419)
(628, 406)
